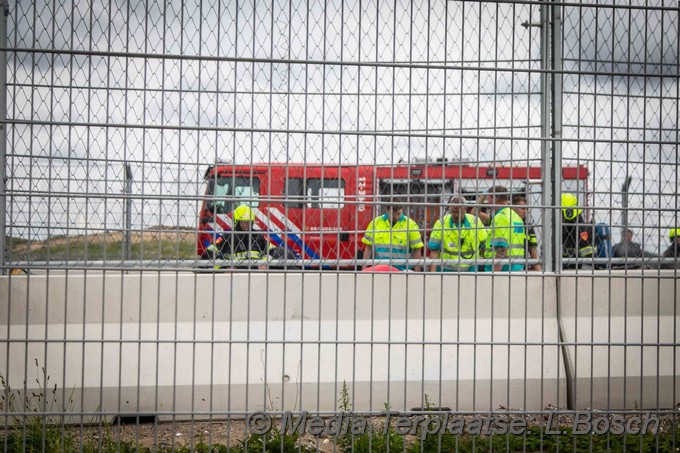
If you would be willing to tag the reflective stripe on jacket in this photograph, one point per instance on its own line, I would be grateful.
(244, 246)
(578, 239)
(393, 241)
(507, 230)
(532, 240)
(455, 242)
(247, 255)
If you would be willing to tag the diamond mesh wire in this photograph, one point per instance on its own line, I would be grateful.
(621, 111)
(115, 110)
(171, 89)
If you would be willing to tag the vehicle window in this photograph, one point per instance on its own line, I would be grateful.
(234, 191)
(315, 193)
(472, 191)
(325, 193)
(393, 188)
(295, 192)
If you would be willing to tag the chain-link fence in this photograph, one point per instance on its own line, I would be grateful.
(213, 208)
(167, 91)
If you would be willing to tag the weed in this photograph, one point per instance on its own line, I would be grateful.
(215, 448)
(272, 442)
(345, 398)
(30, 430)
(377, 438)
(536, 439)
(37, 432)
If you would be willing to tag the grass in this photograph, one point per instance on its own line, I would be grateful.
(33, 435)
(538, 440)
(35, 432)
(27, 429)
(272, 442)
(36, 436)
(151, 245)
(374, 441)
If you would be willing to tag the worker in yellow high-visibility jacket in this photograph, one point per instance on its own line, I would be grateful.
(456, 236)
(520, 206)
(507, 235)
(393, 236)
(673, 251)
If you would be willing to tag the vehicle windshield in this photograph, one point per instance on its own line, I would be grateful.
(424, 199)
(231, 191)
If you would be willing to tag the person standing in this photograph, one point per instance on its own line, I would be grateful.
(393, 236)
(456, 236)
(481, 210)
(507, 235)
(578, 237)
(531, 249)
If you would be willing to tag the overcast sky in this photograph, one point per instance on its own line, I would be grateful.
(459, 79)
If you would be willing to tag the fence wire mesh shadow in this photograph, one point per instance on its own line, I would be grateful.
(305, 225)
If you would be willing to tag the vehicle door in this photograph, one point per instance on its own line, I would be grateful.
(316, 210)
(225, 191)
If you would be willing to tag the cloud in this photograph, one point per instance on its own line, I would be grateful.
(621, 40)
(482, 86)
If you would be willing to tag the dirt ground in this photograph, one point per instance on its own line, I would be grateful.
(166, 434)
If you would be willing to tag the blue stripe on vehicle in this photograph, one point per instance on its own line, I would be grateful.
(295, 247)
(302, 245)
(276, 239)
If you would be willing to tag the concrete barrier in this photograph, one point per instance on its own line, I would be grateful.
(182, 343)
(622, 339)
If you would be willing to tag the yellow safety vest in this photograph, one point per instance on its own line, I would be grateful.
(456, 242)
(507, 230)
(393, 241)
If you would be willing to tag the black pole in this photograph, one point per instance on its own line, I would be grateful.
(624, 204)
(127, 245)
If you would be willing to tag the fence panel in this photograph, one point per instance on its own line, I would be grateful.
(447, 225)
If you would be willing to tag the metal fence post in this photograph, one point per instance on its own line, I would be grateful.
(556, 66)
(127, 246)
(547, 169)
(624, 205)
(4, 11)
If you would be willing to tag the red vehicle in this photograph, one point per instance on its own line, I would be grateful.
(320, 211)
